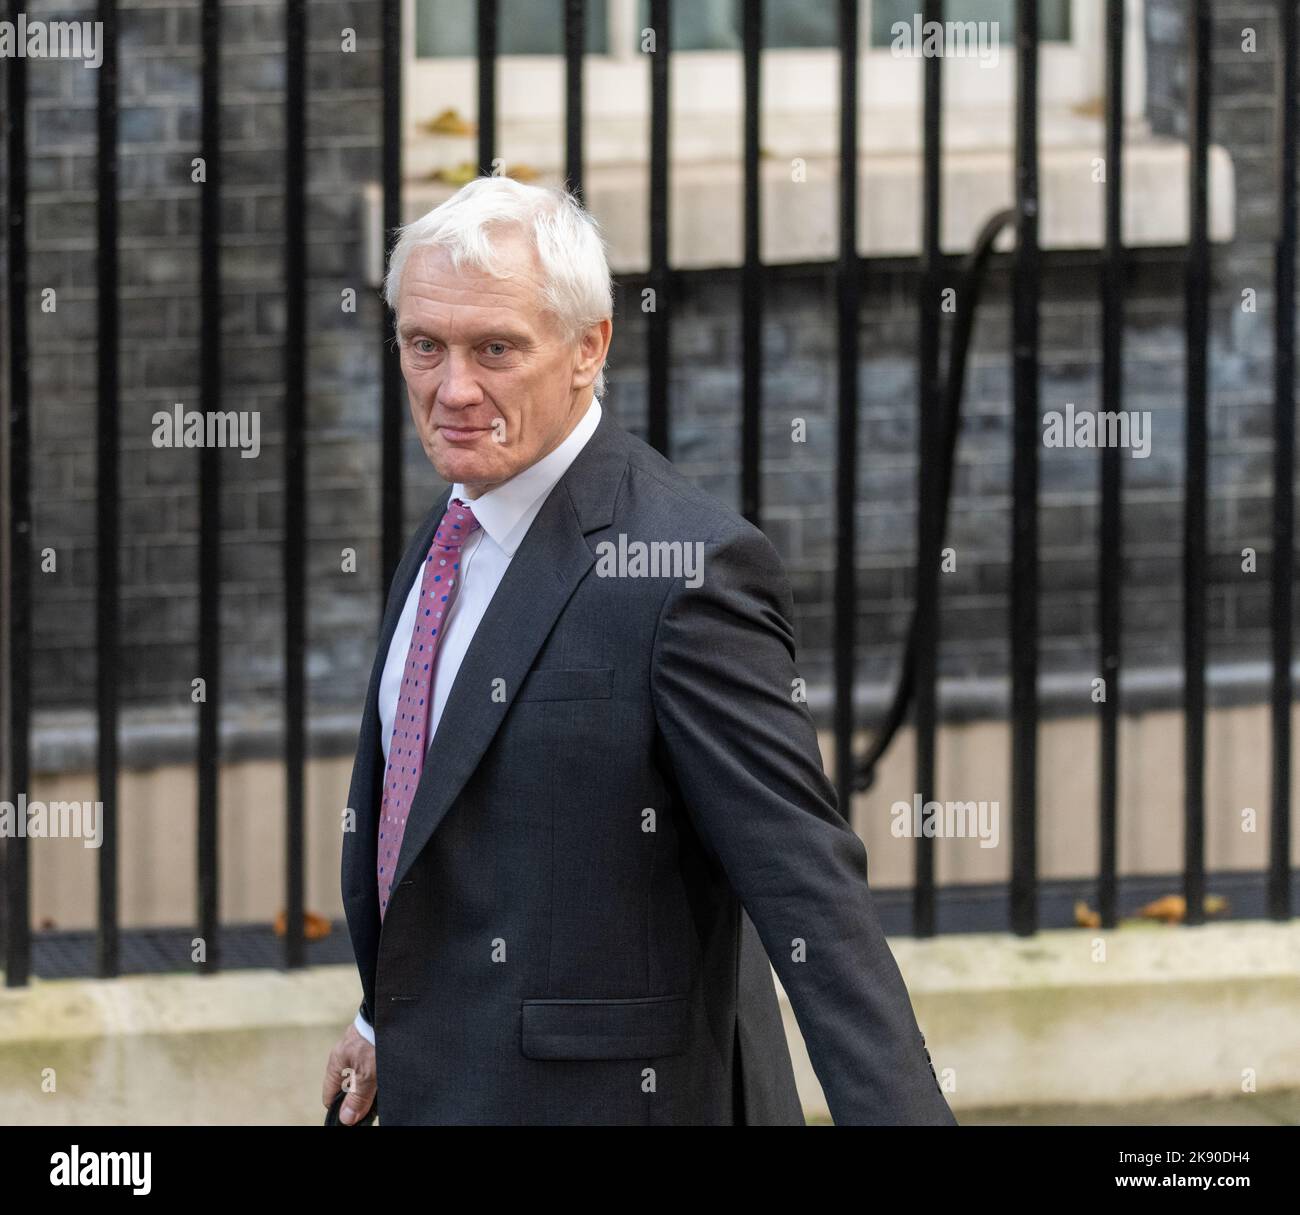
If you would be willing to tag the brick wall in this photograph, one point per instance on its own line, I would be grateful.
(160, 321)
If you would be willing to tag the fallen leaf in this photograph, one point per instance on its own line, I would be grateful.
(456, 175)
(1172, 908)
(449, 122)
(313, 926)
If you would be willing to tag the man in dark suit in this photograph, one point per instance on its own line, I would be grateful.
(588, 804)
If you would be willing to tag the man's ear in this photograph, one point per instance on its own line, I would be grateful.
(593, 346)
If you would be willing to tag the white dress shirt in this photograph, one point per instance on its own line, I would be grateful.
(505, 513)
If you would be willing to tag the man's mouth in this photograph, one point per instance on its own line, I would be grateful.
(461, 434)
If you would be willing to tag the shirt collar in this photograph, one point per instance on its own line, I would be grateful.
(506, 512)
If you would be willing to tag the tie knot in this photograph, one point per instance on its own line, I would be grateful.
(456, 525)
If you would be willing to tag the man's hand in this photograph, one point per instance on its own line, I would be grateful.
(351, 1066)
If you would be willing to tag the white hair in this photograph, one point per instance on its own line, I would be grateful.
(577, 290)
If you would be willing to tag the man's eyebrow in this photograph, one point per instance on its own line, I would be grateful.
(408, 329)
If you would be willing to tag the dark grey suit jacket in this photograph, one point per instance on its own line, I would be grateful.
(621, 789)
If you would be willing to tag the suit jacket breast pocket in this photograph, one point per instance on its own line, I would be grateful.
(568, 683)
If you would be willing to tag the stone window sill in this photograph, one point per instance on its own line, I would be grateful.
(800, 217)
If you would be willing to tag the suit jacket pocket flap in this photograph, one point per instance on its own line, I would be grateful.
(604, 1029)
(567, 683)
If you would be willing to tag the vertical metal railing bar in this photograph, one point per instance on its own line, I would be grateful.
(751, 281)
(1026, 286)
(391, 497)
(657, 336)
(18, 509)
(1196, 462)
(848, 287)
(487, 85)
(107, 516)
(1288, 133)
(575, 42)
(1110, 529)
(930, 452)
(209, 646)
(294, 539)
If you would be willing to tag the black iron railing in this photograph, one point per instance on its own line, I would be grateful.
(939, 405)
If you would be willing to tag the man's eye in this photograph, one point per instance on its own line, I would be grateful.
(497, 349)
(423, 346)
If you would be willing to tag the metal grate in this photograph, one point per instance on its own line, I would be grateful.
(73, 955)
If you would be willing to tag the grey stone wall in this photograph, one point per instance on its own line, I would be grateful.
(160, 356)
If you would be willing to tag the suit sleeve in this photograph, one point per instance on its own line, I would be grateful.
(744, 753)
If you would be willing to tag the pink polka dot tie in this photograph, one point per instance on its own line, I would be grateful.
(411, 725)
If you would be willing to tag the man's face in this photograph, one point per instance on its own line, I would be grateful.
(492, 383)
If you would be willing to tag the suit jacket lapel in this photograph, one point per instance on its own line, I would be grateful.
(543, 574)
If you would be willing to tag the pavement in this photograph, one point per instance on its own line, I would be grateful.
(1281, 1108)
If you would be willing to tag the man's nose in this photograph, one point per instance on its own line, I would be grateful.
(460, 386)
